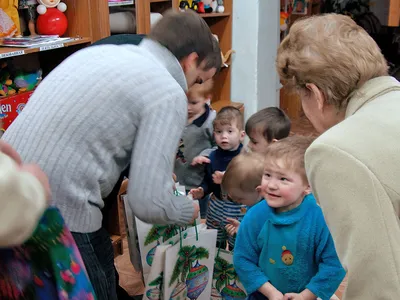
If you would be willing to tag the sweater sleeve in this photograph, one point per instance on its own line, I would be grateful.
(247, 252)
(22, 202)
(330, 271)
(150, 185)
(210, 136)
(361, 219)
(207, 180)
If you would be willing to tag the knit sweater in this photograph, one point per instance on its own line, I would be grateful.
(99, 110)
(219, 160)
(22, 202)
(293, 250)
(197, 139)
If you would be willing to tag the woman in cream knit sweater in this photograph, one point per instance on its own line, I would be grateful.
(24, 193)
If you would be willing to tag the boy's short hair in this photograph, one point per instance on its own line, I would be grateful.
(227, 115)
(244, 172)
(291, 151)
(204, 89)
(272, 121)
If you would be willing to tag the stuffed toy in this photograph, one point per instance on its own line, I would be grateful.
(10, 8)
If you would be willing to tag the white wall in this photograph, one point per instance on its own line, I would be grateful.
(255, 40)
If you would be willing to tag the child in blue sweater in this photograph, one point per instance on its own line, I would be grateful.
(284, 249)
(229, 135)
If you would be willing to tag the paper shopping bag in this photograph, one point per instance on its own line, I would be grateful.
(143, 238)
(133, 242)
(154, 285)
(155, 279)
(189, 267)
(226, 283)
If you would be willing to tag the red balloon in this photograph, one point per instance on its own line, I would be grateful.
(52, 22)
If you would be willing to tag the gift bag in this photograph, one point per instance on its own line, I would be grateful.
(189, 265)
(226, 283)
(144, 238)
(155, 279)
(133, 242)
(154, 285)
(47, 266)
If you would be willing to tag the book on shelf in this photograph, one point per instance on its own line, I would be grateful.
(33, 41)
(120, 2)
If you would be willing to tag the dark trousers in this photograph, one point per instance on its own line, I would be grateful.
(98, 255)
(256, 296)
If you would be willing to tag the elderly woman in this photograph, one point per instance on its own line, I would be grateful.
(354, 166)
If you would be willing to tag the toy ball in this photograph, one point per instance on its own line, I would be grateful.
(53, 22)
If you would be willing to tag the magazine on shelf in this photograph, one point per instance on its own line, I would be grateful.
(120, 2)
(33, 41)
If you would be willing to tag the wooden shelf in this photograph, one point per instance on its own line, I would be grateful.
(12, 51)
(215, 15)
(154, 1)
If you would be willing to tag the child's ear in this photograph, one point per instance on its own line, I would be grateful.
(308, 190)
(274, 140)
(242, 135)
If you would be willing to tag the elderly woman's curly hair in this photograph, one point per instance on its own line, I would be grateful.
(332, 52)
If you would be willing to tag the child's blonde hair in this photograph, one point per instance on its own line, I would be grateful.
(244, 172)
(290, 151)
(229, 115)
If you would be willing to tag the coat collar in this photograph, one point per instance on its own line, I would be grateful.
(371, 90)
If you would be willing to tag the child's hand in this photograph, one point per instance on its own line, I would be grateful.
(174, 177)
(277, 295)
(217, 177)
(197, 193)
(304, 295)
(199, 160)
(233, 227)
(293, 296)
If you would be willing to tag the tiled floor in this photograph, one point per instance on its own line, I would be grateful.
(131, 280)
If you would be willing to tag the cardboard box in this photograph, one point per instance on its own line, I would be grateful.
(11, 107)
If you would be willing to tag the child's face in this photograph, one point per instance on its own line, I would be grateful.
(196, 105)
(257, 142)
(228, 137)
(240, 196)
(282, 188)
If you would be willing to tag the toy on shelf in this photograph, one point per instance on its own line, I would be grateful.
(26, 82)
(214, 5)
(20, 83)
(6, 83)
(184, 5)
(283, 21)
(28, 8)
(51, 20)
(225, 57)
(9, 18)
(195, 5)
(220, 7)
(205, 6)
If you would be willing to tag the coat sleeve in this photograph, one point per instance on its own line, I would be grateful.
(361, 219)
(150, 191)
(22, 202)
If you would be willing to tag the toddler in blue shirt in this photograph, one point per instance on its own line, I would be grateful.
(284, 249)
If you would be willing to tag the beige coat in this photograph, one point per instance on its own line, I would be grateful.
(354, 171)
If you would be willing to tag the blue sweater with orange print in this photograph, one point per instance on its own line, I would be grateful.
(292, 250)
